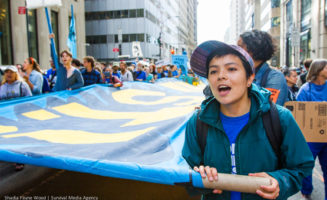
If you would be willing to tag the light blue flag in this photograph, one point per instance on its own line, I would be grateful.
(71, 41)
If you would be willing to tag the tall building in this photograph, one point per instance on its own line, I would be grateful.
(158, 26)
(256, 14)
(24, 33)
(304, 34)
(237, 20)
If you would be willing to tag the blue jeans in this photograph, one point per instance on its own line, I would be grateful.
(320, 150)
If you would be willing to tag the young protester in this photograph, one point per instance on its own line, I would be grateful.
(90, 75)
(139, 74)
(33, 75)
(12, 85)
(315, 89)
(303, 76)
(110, 79)
(291, 79)
(260, 46)
(51, 75)
(115, 70)
(126, 75)
(68, 77)
(236, 140)
(160, 73)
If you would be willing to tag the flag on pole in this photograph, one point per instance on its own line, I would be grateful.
(71, 41)
(33, 4)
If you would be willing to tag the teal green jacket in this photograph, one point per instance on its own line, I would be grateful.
(253, 152)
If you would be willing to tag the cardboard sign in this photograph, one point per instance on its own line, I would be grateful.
(311, 118)
(274, 94)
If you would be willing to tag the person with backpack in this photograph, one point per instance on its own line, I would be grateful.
(230, 133)
(315, 89)
(260, 46)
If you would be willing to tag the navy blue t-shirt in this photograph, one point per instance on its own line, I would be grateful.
(232, 127)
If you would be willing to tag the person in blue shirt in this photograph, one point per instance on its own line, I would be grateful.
(236, 138)
(90, 75)
(51, 75)
(140, 74)
(315, 89)
(174, 71)
(260, 46)
(33, 75)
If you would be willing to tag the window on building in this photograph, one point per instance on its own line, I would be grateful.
(140, 37)
(140, 13)
(5, 34)
(289, 16)
(55, 28)
(305, 45)
(117, 14)
(275, 3)
(305, 14)
(124, 14)
(109, 15)
(32, 34)
(116, 38)
(132, 13)
(125, 37)
(325, 12)
(253, 21)
(132, 37)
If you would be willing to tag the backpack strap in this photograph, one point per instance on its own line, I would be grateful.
(273, 130)
(265, 77)
(201, 133)
(20, 89)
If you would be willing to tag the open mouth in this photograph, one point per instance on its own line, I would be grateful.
(224, 90)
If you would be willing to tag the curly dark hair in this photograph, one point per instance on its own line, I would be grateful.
(259, 44)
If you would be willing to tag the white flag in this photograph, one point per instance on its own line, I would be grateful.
(32, 4)
(136, 49)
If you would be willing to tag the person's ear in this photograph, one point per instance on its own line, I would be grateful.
(250, 80)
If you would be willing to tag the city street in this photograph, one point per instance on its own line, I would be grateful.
(39, 181)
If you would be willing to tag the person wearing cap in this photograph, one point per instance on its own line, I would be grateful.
(115, 70)
(260, 46)
(90, 75)
(12, 85)
(236, 138)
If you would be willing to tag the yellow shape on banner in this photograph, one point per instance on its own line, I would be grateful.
(78, 110)
(40, 115)
(8, 129)
(81, 137)
(181, 86)
(126, 97)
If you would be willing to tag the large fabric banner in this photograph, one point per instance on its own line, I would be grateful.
(135, 132)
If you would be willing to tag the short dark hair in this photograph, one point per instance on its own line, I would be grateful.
(76, 62)
(307, 63)
(223, 52)
(259, 44)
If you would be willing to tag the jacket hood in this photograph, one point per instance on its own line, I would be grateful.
(210, 107)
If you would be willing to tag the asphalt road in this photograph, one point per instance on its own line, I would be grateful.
(52, 184)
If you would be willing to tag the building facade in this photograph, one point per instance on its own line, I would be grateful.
(256, 14)
(24, 35)
(158, 26)
(304, 33)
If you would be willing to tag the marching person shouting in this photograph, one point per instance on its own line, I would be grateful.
(236, 140)
(68, 77)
